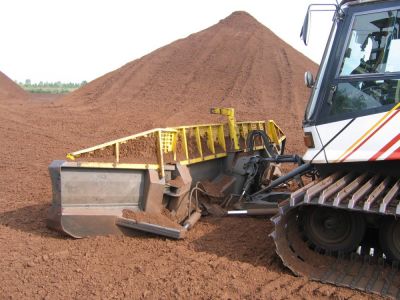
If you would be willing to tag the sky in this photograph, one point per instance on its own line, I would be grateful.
(76, 40)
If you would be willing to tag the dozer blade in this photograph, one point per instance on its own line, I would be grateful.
(157, 223)
(170, 232)
(87, 201)
(153, 172)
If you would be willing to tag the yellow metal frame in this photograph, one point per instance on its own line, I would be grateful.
(195, 143)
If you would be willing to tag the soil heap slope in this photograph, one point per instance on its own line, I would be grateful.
(9, 89)
(236, 63)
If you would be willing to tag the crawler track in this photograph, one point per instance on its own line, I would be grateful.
(368, 272)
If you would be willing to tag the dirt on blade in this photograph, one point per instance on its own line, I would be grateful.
(150, 218)
(236, 63)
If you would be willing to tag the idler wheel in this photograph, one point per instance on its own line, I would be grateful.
(389, 237)
(333, 230)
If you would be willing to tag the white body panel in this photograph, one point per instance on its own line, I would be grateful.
(367, 138)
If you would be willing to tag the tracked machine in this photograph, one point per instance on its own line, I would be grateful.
(335, 214)
(343, 226)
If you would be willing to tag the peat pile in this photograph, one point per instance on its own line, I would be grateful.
(236, 63)
(9, 89)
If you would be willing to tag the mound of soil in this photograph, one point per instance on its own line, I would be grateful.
(238, 63)
(9, 89)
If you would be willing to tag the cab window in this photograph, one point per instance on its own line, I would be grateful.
(369, 75)
(374, 45)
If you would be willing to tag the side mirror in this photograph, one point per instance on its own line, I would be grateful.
(308, 79)
(304, 29)
(307, 19)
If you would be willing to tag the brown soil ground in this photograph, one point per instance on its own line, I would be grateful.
(239, 63)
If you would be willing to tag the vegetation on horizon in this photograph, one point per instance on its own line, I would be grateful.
(57, 87)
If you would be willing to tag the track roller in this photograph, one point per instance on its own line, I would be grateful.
(333, 230)
(389, 237)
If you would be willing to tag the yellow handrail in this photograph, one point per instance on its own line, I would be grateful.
(183, 144)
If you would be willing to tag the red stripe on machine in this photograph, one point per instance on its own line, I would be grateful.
(371, 135)
(395, 155)
(386, 147)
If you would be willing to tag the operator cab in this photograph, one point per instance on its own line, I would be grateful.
(359, 74)
(362, 75)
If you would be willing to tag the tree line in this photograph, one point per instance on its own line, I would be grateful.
(56, 87)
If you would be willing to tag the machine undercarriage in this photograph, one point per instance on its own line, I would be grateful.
(342, 229)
